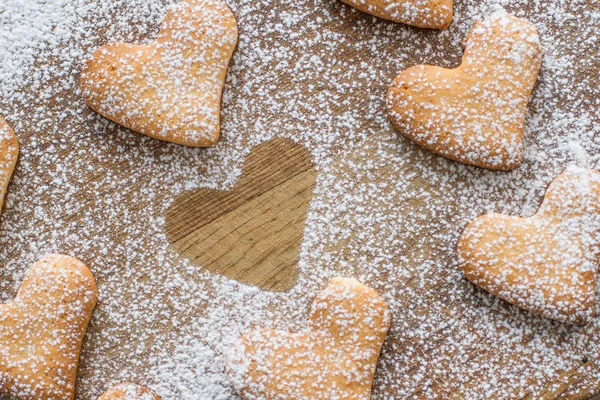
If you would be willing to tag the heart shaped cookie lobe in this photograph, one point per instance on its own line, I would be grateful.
(436, 14)
(9, 153)
(129, 391)
(171, 89)
(474, 114)
(41, 331)
(335, 358)
(546, 263)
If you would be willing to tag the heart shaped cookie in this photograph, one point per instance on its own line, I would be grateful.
(473, 114)
(335, 358)
(129, 391)
(171, 89)
(546, 263)
(252, 233)
(421, 13)
(9, 152)
(41, 331)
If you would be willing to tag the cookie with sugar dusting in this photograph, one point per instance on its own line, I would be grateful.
(335, 358)
(9, 153)
(129, 391)
(546, 263)
(170, 89)
(436, 14)
(41, 331)
(475, 113)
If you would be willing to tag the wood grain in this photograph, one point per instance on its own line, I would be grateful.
(252, 233)
(139, 176)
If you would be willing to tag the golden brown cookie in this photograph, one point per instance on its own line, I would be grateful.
(9, 153)
(473, 114)
(335, 358)
(170, 89)
(422, 13)
(546, 263)
(129, 391)
(42, 329)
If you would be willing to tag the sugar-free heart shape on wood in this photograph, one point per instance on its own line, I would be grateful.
(252, 233)
(473, 114)
(421, 13)
(41, 331)
(170, 89)
(9, 152)
(546, 263)
(129, 391)
(335, 358)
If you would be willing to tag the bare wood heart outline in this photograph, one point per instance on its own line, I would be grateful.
(252, 233)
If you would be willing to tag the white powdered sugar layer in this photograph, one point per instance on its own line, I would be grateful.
(384, 211)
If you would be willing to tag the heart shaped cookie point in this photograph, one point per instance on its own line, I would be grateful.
(473, 114)
(42, 330)
(436, 14)
(171, 89)
(253, 232)
(129, 391)
(546, 263)
(335, 358)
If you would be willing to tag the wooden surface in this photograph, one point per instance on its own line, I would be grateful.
(252, 233)
(105, 200)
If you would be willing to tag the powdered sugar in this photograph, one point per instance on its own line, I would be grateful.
(384, 211)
